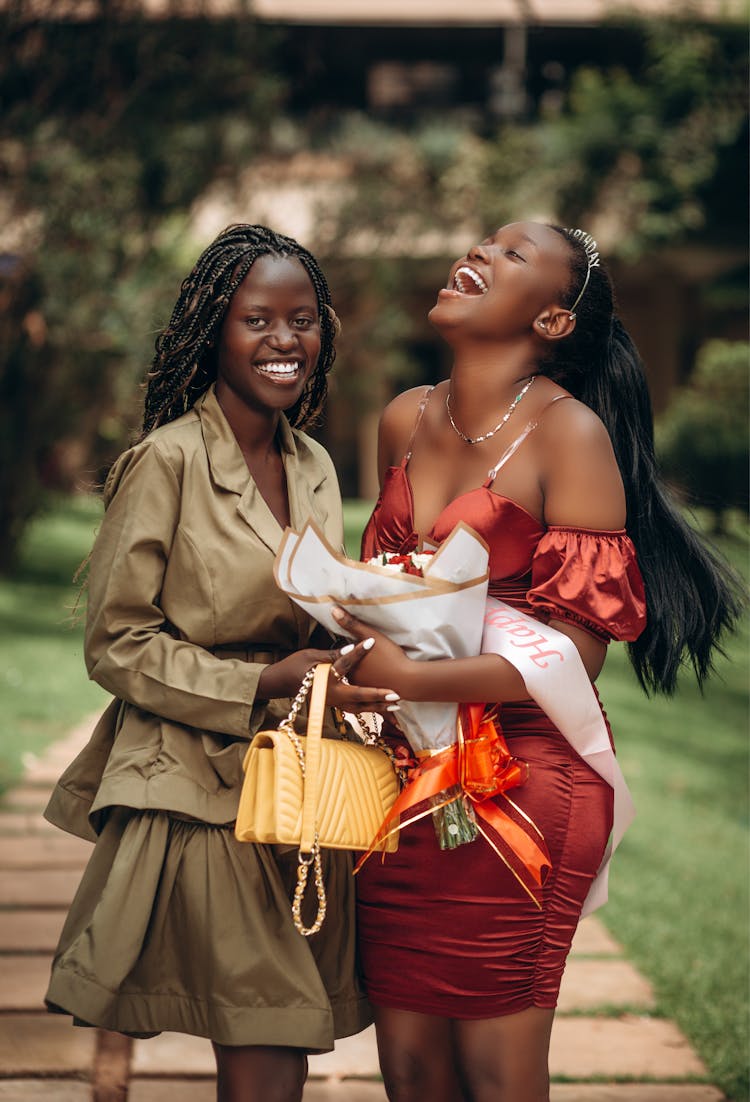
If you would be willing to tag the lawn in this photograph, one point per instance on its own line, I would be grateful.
(43, 683)
(679, 884)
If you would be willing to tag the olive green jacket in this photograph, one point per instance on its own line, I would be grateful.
(183, 615)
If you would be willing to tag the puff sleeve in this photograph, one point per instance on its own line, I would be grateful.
(591, 579)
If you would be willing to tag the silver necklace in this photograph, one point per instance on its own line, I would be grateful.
(498, 426)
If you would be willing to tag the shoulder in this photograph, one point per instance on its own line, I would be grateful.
(569, 424)
(581, 482)
(160, 455)
(399, 416)
(565, 420)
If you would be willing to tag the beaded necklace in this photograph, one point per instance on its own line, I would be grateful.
(498, 426)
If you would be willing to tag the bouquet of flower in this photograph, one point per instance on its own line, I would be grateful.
(413, 563)
(431, 603)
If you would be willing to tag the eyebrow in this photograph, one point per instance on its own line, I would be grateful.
(523, 236)
(264, 309)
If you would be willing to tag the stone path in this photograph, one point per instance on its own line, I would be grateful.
(607, 1046)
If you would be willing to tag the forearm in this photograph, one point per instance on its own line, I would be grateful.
(487, 678)
(177, 680)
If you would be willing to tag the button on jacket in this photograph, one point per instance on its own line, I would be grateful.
(183, 615)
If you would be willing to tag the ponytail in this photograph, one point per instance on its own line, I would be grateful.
(693, 597)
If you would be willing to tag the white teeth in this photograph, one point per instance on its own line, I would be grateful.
(281, 370)
(466, 280)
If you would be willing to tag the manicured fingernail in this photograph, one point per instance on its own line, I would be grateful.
(392, 696)
(393, 708)
(347, 648)
(337, 614)
(369, 643)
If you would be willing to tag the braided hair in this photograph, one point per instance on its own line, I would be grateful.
(184, 365)
(693, 596)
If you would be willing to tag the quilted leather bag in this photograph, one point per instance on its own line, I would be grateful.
(314, 793)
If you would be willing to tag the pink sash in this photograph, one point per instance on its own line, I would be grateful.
(556, 679)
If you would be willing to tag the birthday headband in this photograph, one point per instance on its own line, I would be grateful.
(592, 256)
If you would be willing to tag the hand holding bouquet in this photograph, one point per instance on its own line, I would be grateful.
(432, 604)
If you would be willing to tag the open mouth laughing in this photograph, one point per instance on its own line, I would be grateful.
(280, 371)
(468, 282)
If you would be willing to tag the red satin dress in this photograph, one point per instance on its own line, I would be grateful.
(451, 932)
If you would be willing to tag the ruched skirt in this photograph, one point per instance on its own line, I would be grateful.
(451, 932)
(178, 926)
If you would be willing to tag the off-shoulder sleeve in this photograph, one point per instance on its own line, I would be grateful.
(591, 579)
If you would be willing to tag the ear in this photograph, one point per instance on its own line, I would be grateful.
(554, 323)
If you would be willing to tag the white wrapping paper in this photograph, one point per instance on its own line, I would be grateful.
(440, 615)
(556, 679)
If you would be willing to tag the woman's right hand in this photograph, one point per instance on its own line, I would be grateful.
(283, 679)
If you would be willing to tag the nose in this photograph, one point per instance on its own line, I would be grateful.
(478, 252)
(282, 337)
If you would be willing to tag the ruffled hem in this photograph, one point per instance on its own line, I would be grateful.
(140, 1015)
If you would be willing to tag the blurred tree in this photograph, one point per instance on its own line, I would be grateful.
(645, 157)
(112, 124)
(655, 155)
(703, 440)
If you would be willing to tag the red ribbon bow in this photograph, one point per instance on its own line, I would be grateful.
(481, 763)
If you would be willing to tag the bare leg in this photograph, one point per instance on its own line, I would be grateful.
(417, 1057)
(259, 1073)
(506, 1059)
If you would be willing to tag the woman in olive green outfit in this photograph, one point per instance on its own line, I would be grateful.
(176, 925)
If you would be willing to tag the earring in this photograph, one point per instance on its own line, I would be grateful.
(542, 324)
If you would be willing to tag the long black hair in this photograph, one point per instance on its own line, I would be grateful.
(184, 365)
(693, 596)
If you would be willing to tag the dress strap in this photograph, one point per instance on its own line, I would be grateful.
(420, 412)
(511, 450)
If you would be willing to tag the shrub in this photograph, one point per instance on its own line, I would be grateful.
(702, 439)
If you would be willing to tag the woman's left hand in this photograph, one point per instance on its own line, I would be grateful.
(385, 664)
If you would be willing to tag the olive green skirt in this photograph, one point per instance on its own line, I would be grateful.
(178, 926)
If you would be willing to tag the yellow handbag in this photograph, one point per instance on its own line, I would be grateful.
(313, 792)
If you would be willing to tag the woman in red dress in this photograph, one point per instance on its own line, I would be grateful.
(540, 440)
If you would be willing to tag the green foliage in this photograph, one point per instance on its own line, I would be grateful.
(112, 125)
(703, 437)
(646, 157)
(655, 154)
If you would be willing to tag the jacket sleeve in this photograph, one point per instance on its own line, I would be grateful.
(129, 648)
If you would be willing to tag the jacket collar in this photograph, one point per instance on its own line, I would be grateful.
(304, 472)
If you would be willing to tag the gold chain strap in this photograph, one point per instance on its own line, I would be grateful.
(313, 858)
(287, 725)
(303, 868)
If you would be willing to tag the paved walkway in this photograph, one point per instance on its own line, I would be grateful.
(606, 1044)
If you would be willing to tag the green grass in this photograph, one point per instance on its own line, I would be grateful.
(44, 689)
(356, 514)
(679, 885)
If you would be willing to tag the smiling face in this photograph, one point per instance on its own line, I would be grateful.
(270, 337)
(503, 284)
